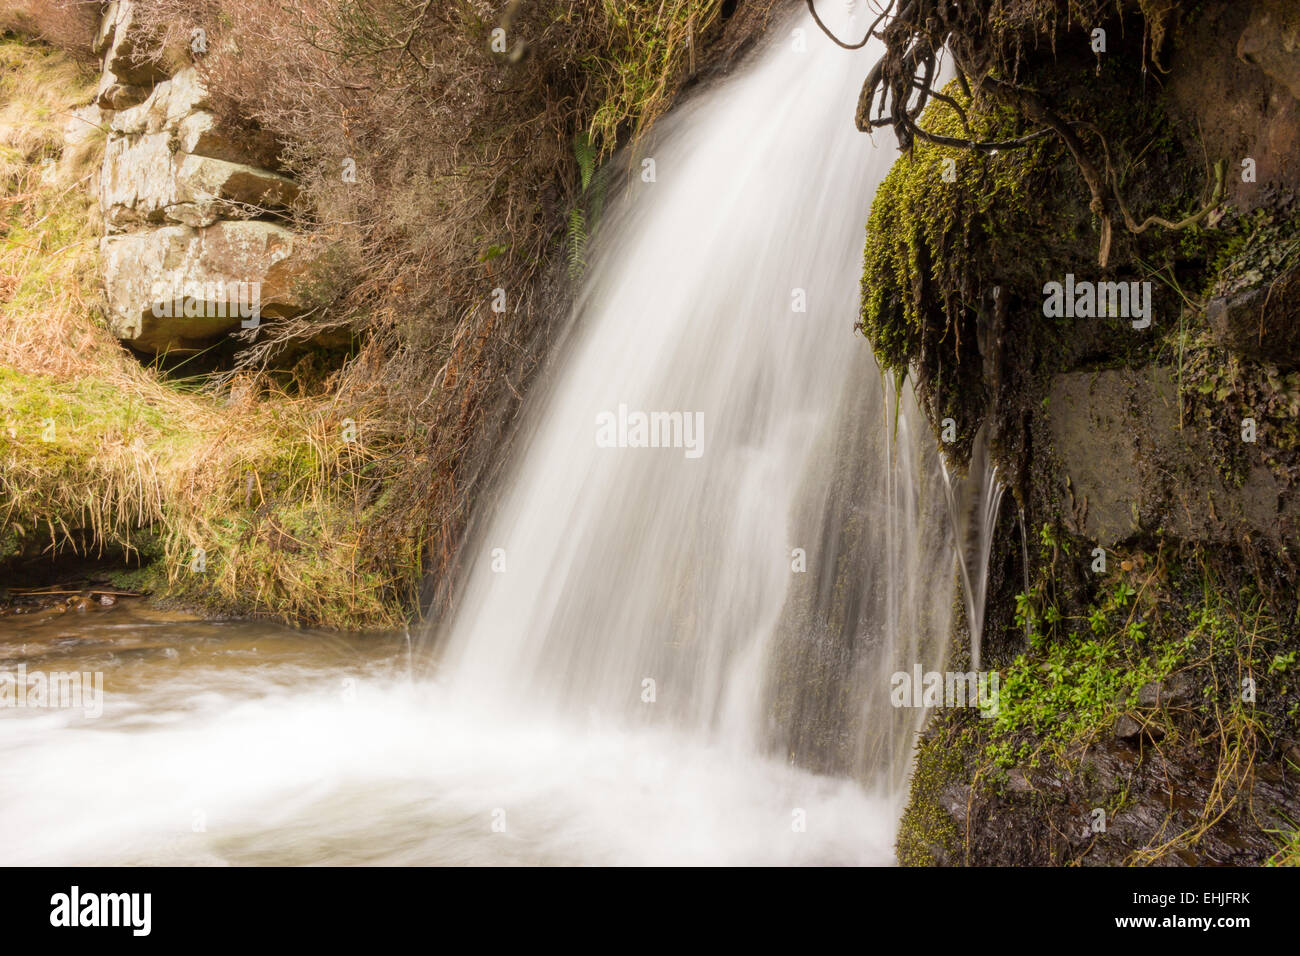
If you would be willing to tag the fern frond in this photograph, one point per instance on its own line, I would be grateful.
(577, 244)
(585, 153)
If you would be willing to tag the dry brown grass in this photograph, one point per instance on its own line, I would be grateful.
(100, 453)
(69, 25)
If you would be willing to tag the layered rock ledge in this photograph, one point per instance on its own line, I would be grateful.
(192, 243)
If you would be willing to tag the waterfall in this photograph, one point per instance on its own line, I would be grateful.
(758, 590)
(658, 655)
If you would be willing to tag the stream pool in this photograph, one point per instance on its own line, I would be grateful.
(248, 743)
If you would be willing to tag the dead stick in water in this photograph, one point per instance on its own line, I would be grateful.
(27, 593)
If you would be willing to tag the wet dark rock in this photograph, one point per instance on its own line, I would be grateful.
(953, 800)
(1132, 727)
(1271, 41)
(1130, 465)
(1018, 781)
(1262, 322)
(1128, 728)
(1229, 84)
(1177, 690)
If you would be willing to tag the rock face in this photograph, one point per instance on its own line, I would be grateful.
(185, 258)
(145, 180)
(178, 286)
(1271, 41)
(1243, 95)
(1130, 467)
(128, 69)
(1261, 323)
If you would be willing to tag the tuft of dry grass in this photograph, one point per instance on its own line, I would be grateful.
(68, 25)
(98, 452)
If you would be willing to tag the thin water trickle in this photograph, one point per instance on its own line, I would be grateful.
(973, 502)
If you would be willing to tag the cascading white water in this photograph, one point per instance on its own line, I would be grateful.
(725, 290)
(769, 736)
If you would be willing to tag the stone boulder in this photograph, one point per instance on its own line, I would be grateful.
(145, 181)
(181, 105)
(134, 58)
(138, 180)
(201, 134)
(1271, 41)
(1261, 323)
(165, 106)
(204, 277)
(229, 190)
(107, 26)
(115, 95)
(1177, 690)
(129, 49)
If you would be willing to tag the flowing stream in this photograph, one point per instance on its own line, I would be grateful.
(672, 654)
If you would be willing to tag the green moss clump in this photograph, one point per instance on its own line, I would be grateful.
(927, 833)
(953, 234)
(932, 221)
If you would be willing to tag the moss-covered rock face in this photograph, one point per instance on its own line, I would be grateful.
(961, 243)
(927, 279)
(1154, 723)
(1155, 686)
(928, 834)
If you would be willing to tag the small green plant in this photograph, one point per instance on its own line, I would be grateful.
(1097, 621)
(588, 207)
(1281, 663)
(1026, 615)
(1288, 839)
(1046, 537)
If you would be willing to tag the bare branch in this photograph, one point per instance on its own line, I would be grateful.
(871, 30)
